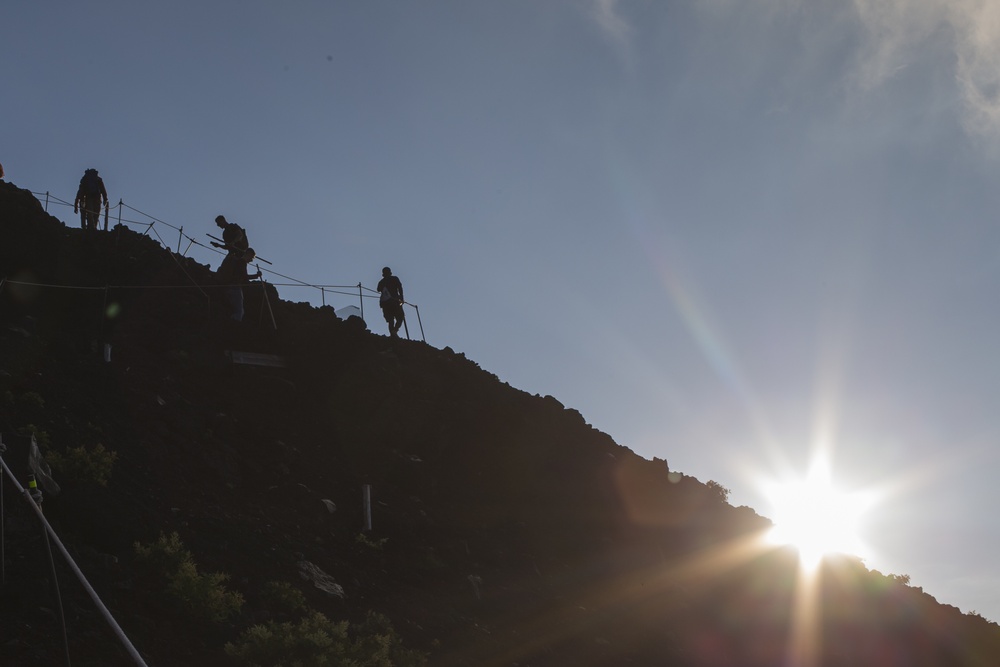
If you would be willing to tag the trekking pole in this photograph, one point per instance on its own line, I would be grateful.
(227, 247)
(405, 328)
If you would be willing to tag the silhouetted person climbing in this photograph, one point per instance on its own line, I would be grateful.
(91, 197)
(390, 298)
(232, 274)
(234, 237)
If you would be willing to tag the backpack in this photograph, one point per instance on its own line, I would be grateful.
(236, 238)
(90, 184)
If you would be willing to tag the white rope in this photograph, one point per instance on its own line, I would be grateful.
(180, 230)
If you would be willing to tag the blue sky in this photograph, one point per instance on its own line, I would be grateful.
(730, 234)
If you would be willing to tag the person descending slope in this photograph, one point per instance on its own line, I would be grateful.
(390, 299)
(232, 274)
(89, 199)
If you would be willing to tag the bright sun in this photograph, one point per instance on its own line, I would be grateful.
(816, 518)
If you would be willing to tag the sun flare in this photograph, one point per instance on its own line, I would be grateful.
(816, 518)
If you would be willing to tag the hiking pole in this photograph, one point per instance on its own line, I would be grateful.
(405, 328)
(226, 246)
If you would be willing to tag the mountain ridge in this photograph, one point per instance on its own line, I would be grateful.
(505, 529)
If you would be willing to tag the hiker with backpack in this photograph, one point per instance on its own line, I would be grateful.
(232, 274)
(91, 196)
(234, 237)
(390, 299)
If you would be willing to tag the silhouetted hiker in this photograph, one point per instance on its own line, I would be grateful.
(232, 274)
(391, 300)
(90, 198)
(234, 237)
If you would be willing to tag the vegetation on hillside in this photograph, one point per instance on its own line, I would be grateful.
(217, 507)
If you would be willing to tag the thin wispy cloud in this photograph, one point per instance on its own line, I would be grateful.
(607, 15)
(610, 21)
(898, 29)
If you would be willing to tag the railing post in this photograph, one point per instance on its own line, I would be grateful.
(322, 291)
(46, 201)
(417, 309)
(366, 494)
(361, 300)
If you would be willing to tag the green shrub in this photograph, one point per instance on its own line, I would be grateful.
(282, 596)
(166, 554)
(369, 544)
(376, 644)
(316, 641)
(91, 465)
(202, 595)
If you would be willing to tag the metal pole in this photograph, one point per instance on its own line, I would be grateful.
(104, 311)
(322, 291)
(120, 211)
(46, 201)
(361, 300)
(417, 308)
(267, 301)
(76, 570)
(55, 584)
(366, 494)
(180, 237)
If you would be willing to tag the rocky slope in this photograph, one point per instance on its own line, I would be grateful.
(505, 529)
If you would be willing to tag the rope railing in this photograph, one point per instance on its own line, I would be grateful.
(358, 289)
(51, 534)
